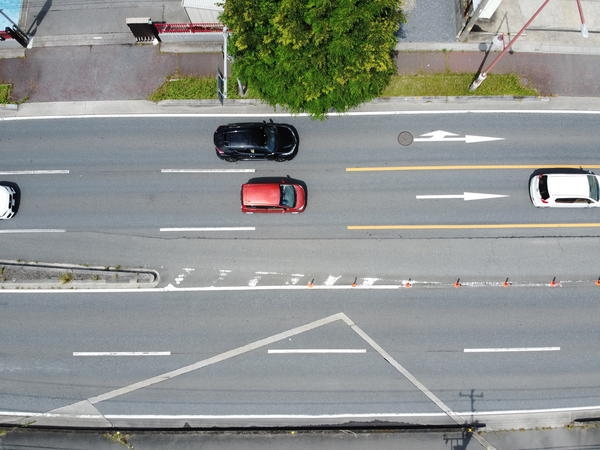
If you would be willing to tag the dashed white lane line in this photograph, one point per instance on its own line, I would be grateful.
(512, 349)
(33, 230)
(316, 351)
(34, 172)
(209, 229)
(121, 353)
(208, 170)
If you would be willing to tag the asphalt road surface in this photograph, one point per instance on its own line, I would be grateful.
(235, 334)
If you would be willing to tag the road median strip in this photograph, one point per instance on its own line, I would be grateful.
(35, 275)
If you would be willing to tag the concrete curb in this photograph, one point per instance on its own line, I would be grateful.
(35, 275)
(250, 107)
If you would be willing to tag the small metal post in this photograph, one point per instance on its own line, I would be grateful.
(225, 60)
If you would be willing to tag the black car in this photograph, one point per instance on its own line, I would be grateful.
(256, 140)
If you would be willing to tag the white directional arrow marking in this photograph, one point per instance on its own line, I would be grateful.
(446, 136)
(466, 196)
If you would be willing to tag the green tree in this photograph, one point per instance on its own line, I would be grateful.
(314, 56)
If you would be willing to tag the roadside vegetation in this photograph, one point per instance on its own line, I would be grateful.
(419, 85)
(456, 84)
(316, 56)
(4, 93)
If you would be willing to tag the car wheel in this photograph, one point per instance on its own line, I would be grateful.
(280, 158)
(230, 159)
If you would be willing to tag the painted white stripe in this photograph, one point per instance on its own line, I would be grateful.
(316, 351)
(34, 172)
(262, 115)
(331, 280)
(210, 229)
(171, 288)
(33, 230)
(208, 170)
(216, 359)
(285, 287)
(467, 414)
(511, 349)
(121, 353)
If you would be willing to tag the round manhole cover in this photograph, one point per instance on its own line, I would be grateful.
(405, 138)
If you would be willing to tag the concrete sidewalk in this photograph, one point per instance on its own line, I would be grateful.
(85, 52)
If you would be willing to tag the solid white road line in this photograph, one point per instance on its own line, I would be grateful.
(121, 353)
(33, 230)
(316, 351)
(34, 172)
(208, 170)
(210, 229)
(467, 415)
(267, 114)
(511, 349)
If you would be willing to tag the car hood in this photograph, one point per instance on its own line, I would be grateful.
(288, 139)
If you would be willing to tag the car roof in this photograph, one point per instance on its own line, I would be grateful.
(568, 185)
(261, 194)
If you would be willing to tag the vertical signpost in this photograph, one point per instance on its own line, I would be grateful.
(222, 77)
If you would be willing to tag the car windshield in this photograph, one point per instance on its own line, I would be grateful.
(288, 195)
(594, 191)
(543, 185)
(271, 138)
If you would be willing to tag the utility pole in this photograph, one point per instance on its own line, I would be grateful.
(483, 75)
(584, 30)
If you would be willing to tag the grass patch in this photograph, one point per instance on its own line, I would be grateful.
(4, 93)
(66, 278)
(455, 84)
(178, 87)
(419, 85)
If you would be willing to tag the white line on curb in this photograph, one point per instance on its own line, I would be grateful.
(267, 114)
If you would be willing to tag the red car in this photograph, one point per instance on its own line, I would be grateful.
(285, 196)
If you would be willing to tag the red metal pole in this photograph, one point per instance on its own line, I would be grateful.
(483, 74)
(584, 30)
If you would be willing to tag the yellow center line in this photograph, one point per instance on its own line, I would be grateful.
(474, 167)
(473, 226)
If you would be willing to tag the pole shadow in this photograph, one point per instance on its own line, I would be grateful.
(39, 17)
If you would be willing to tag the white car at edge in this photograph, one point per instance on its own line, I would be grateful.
(7, 202)
(565, 189)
